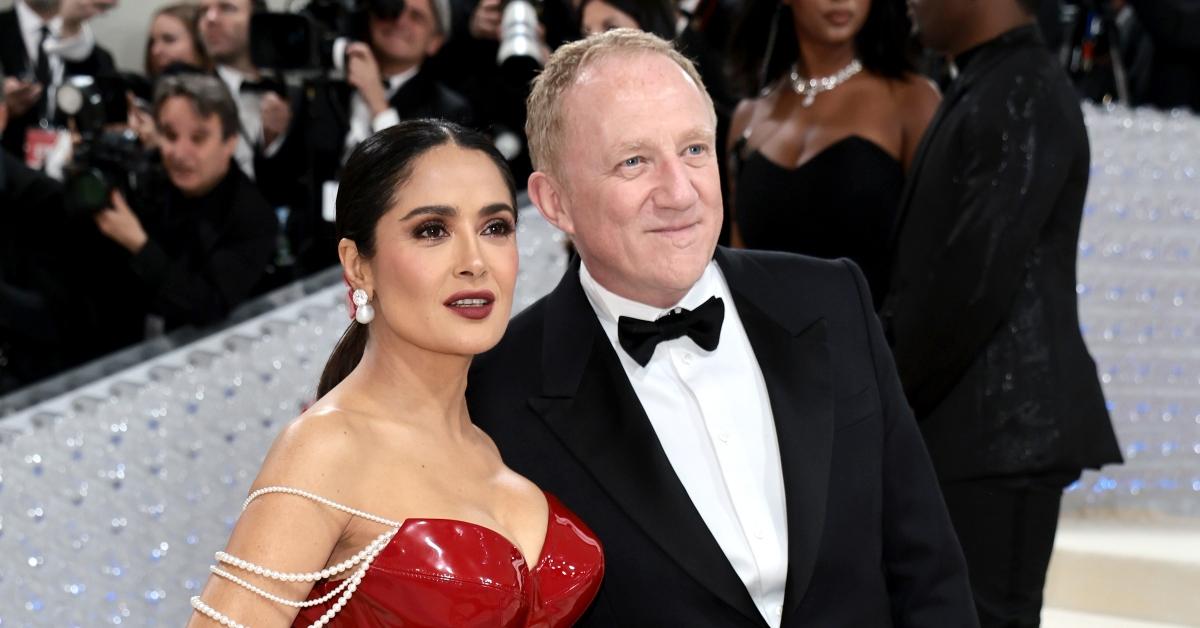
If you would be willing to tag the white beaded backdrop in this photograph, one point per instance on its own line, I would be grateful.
(114, 499)
(1139, 300)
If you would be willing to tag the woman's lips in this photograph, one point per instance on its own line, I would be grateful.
(839, 18)
(476, 305)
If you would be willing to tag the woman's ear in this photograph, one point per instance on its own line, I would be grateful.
(355, 267)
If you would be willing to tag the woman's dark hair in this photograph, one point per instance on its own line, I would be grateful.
(375, 172)
(652, 16)
(757, 59)
(189, 14)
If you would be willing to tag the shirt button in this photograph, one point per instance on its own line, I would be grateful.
(723, 437)
(779, 610)
(686, 359)
(760, 535)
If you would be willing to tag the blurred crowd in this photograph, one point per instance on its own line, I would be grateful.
(134, 203)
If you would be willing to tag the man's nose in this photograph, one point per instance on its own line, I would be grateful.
(676, 189)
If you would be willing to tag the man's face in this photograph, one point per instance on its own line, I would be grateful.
(194, 152)
(225, 28)
(937, 21)
(410, 38)
(639, 183)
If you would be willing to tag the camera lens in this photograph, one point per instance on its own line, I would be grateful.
(87, 191)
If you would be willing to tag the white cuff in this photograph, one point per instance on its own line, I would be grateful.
(387, 118)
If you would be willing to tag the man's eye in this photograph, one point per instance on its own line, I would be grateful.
(430, 231)
(697, 149)
(632, 162)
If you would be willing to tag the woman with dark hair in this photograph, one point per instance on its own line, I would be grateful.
(174, 40)
(819, 157)
(652, 16)
(383, 504)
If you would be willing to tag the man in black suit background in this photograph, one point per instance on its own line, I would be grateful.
(386, 81)
(982, 311)
(41, 43)
(728, 422)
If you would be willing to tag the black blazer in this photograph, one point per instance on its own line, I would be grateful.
(869, 541)
(326, 122)
(981, 309)
(14, 60)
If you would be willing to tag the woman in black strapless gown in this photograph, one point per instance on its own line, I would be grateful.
(818, 159)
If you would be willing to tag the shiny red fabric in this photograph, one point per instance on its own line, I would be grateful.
(441, 572)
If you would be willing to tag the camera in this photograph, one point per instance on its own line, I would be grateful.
(104, 159)
(521, 51)
(314, 39)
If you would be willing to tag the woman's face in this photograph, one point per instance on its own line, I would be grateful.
(171, 42)
(600, 16)
(829, 22)
(446, 255)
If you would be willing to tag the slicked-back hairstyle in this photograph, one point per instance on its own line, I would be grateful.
(208, 95)
(544, 125)
(375, 172)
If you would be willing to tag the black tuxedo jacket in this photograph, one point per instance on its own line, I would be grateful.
(326, 121)
(14, 60)
(981, 309)
(869, 541)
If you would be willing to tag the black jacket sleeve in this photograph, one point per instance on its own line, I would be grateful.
(1015, 160)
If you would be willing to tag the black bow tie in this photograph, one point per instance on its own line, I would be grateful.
(703, 325)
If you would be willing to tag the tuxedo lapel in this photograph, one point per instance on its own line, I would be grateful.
(589, 404)
(918, 163)
(793, 354)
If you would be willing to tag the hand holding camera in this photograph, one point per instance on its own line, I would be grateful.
(362, 72)
(21, 95)
(120, 224)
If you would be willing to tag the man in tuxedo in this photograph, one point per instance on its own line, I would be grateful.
(981, 310)
(41, 43)
(386, 81)
(728, 422)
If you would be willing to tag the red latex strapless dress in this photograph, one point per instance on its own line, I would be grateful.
(440, 572)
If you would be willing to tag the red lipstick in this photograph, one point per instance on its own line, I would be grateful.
(472, 304)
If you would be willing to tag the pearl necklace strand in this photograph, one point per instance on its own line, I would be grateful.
(810, 88)
(366, 556)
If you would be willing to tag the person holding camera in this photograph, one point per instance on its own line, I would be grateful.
(198, 254)
(30, 285)
(386, 82)
(41, 43)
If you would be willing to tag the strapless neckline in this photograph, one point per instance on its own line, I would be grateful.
(849, 140)
(498, 535)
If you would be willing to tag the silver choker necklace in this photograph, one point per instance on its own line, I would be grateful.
(809, 88)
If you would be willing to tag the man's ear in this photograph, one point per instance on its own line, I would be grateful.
(547, 195)
(355, 267)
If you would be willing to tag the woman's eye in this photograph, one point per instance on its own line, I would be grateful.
(498, 228)
(431, 230)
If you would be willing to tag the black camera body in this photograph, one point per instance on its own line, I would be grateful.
(104, 159)
(308, 41)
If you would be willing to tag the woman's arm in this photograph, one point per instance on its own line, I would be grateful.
(285, 533)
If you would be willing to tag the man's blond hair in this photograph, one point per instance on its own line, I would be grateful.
(544, 122)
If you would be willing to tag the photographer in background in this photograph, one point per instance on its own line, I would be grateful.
(198, 254)
(42, 42)
(30, 205)
(386, 82)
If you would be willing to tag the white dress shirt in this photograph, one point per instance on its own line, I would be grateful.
(75, 48)
(249, 106)
(713, 419)
(363, 124)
